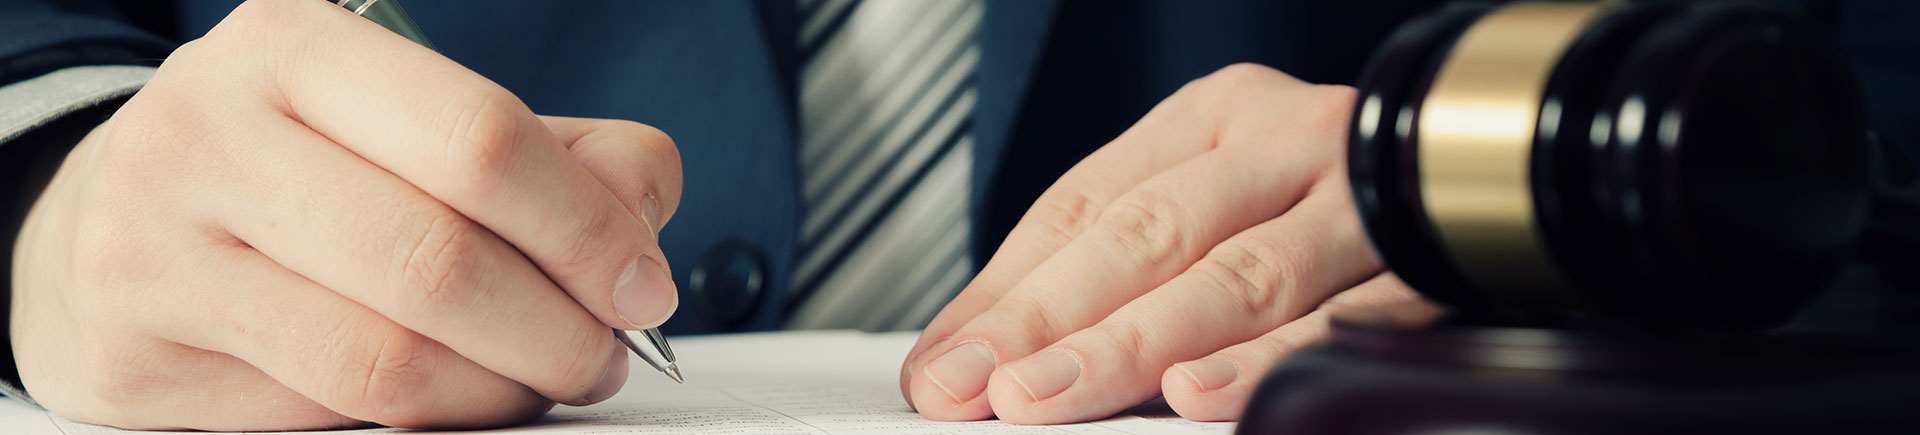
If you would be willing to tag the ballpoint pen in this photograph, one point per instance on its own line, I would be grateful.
(388, 14)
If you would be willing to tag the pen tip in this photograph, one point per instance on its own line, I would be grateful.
(673, 371)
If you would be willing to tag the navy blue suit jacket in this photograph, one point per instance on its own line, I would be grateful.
(1057, 79)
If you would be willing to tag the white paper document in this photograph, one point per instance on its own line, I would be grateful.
(813, 383)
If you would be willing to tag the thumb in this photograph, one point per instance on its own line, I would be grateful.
(640, 166)
(637, 162)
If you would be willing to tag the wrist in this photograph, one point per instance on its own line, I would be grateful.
(28, 163)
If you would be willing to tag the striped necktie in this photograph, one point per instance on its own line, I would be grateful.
(886, 152)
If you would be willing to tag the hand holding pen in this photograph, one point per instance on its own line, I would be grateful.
(656, 352)
(303, 221)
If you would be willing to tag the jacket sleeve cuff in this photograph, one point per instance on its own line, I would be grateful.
(41, 100)
(40, 121)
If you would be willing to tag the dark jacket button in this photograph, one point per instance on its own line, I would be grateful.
(728, 282)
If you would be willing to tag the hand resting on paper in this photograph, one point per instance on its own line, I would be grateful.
(1184, 258)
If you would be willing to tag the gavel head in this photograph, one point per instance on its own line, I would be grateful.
(1683, 165)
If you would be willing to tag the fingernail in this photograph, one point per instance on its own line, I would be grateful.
(612, 379)
(914, 359)
(1046, 375)
(1210, 374)
(644, 295)
(922, 354)
(962, 373)
(650, 213)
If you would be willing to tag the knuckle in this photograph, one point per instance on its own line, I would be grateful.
(193, 48)
(1233, 79)
(483, 142)
(143, 135)
(262, 8)
(1277, 345)
(262, 22)
(1147, 224)
(386, 384)
(1340, 305)
(577, 373)
(190, 53)
(1365, 296)
(1123, 338)
(1255, 274)
(166, 132)
(1033, 319)
(1330, 107)
(1337, 99)
(665, 153)
(1243, 72)
(433, 271)
(651, 137)
(597, 246)
(641, 159)
(656, 147)
(236, 51)
(1063, 214)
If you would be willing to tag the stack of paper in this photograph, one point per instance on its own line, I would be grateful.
(776, 383)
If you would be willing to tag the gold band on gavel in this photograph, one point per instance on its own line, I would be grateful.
(1476, 135)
